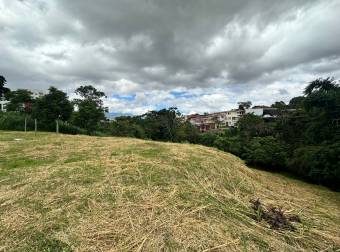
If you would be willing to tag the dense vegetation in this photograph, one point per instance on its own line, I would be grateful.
(304, 141)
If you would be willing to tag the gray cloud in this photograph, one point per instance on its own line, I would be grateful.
(134, 46)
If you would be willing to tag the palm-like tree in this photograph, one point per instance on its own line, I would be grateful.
(323, 85)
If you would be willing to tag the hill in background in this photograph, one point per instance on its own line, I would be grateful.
(60, 192)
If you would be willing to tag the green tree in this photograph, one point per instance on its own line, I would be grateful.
(322, 103)
(20, 101)
(320, 164)
(296, 102)
(163, 124)
(266, 152)
(90, 93)
(251, 125)
(127, 126)
(244, 105)
(90, 108)
(3, 89)
(229, 141)
(187, 132)
(279, 105)
(321, 85)
(52, 106)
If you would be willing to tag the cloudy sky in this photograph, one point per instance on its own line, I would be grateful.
(197, 55)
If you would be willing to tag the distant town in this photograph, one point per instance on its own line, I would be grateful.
(226, 119)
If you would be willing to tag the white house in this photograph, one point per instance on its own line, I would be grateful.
(215, 121)
(263, 111)
(3, 103)
(233, 116)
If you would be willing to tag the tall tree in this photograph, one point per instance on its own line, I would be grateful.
(279, 105)
(163, 124)
(90, 108)
(20, 100)
(3, 89)
(322, 103)
(296, 102)
(244, 105)
(91, 93)
(321, 85)
(52, 106)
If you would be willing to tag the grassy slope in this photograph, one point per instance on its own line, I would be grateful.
(87, 193)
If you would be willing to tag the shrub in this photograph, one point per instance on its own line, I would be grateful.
(302, 160)
(230, 144)
(67, 128)
(207, 138)
(15, 121)
(266, 152)
(321, 164)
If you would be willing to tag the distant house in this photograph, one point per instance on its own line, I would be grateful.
(227, 119)
(215, 121)
(203, 122)
(3, 104)
(233, 116)
(267, 112)
(263, 111)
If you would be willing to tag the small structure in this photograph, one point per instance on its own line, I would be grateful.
(263, 111)
(3, 104)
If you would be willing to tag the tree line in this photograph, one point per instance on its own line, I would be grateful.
(79, 116)
(304, 142)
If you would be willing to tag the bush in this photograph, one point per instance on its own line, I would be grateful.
(125, 128)
(67, 128)
(321, 164)
(302, 160)
(266, 152)
(15, 121)
(207, 139)
(186, 132)
(230, 144)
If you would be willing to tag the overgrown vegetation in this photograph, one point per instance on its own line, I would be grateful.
(305, 141)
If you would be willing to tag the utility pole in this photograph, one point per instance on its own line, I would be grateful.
(57, 126)
(25, 123)
(35, 126)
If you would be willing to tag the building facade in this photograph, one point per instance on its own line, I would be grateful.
(228, 119)
(215, 121)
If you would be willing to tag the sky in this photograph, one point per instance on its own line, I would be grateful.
(197, 55)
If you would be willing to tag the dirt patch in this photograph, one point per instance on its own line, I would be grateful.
(275, 216)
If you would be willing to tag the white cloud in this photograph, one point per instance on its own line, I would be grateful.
(218, 52)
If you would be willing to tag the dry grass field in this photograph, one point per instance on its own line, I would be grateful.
(81, 193)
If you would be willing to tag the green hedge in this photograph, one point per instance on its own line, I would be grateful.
(16, 121)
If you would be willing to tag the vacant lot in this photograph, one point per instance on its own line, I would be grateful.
(65, 193)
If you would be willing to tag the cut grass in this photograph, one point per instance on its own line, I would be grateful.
(64, 193)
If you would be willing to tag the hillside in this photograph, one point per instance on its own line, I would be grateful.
(63, 193)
